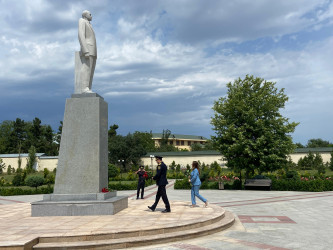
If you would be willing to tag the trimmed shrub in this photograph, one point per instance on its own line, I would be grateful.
(18, 180)
(20, 191)
(34, 181)
(301, 185)
(182, 184)
(113, 171)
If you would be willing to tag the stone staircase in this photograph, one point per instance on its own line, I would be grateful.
(143, 236)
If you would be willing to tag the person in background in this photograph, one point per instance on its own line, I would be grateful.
(196, 183)
(141, 183)
(161, 182)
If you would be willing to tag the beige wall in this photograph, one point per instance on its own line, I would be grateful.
(184, 160)
(13, 162)
(296, 156)
(50, 164)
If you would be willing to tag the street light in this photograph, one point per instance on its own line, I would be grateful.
(151, 163)
(121, 172)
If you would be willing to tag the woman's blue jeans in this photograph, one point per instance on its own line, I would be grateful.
(195, 192)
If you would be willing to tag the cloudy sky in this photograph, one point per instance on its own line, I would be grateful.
(162, 64)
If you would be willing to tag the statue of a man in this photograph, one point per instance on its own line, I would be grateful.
(88, 53)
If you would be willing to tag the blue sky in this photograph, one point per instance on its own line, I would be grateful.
(162, 64)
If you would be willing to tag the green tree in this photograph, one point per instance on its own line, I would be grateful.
(2, 166)
(9, 170)
(113, 130)
(318, 143)
(31, 159)
(331, 162)
(251, 133)
(172, 166)
(165, 137)
(145, 139)
(113, 171)
(18, 180)
(34, 181)
(17, 137)
(197, 147)
(299, 145)
(127, 148)
(6, 128)
(165, 145)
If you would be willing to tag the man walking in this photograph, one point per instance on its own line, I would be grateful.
(161, 182)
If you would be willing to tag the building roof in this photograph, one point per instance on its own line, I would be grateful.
(179, 136)
(314, 150)
(213, 152)
(17, 155)
(183, 153)
(49, 157)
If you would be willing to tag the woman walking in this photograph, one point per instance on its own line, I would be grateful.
(196, 183)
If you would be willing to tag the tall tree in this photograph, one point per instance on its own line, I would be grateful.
(18, 136)
(31, 161)
(6, 128)
(318, 143)
(250, 131)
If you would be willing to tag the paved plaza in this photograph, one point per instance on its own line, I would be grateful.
(264, 219)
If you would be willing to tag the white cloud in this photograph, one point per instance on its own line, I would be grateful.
(175, 52)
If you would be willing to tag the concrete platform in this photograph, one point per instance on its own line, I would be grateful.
(71, 207)
(132, 227)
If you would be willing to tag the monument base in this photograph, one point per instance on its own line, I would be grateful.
(79, 204)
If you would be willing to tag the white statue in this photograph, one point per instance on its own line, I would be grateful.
(85, 60)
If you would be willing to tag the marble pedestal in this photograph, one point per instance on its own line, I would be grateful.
(79, 204)
(82, 170)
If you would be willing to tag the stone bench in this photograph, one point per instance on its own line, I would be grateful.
(258, 184)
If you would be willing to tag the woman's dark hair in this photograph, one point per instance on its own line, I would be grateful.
(196, 165)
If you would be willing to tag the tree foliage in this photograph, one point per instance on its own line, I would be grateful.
(331, 162)
(19, 135)
(2, 166)
(31, 159)
(318, 143)
(312, 161)
(251, 133)
(130, 148)
(34, 181)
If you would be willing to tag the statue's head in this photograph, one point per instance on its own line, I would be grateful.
(87, 15)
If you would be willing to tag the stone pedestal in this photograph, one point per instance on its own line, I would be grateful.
(79, 205)
(83, 156)
(82, 170)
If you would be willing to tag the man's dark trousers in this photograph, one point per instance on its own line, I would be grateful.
(161, 192)
(141, 185)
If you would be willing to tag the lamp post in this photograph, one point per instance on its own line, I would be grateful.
(121, 162)
(151, 163)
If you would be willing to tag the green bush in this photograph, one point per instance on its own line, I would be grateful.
(46, 172)
(113, 171)
(34, 181)
(182, 184)
(18, 180)
(302, 185)
(292, 174)
(127, 186)
(20, 191)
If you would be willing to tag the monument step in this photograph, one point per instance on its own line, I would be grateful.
(217, 215)
(161, 236)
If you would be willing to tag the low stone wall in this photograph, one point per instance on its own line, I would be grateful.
(182, 158)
